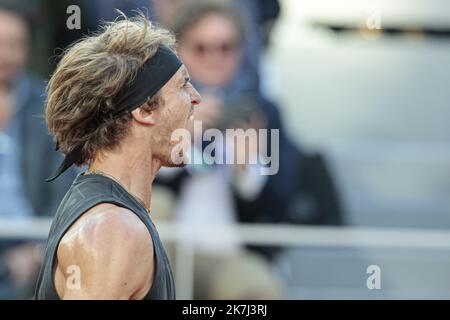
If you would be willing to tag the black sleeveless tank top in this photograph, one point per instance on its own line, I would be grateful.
(86, 192)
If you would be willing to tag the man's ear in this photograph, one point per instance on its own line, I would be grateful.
(145, 116)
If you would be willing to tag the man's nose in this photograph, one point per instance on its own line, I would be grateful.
(196, 98)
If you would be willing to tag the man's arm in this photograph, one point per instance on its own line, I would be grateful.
(109, 255)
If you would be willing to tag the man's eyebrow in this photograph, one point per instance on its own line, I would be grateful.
(185, 79)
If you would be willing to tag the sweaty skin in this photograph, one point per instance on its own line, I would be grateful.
(114, 253)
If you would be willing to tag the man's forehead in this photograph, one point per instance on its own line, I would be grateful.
(179, 76)
(184, 71)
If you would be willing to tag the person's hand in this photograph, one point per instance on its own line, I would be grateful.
(245, 148)
(247, 179)
(6, 108)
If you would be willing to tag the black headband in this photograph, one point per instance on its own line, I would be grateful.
(151, 77)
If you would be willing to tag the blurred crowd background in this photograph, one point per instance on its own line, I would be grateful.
(358, 90)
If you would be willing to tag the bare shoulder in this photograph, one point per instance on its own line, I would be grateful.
(113, 250)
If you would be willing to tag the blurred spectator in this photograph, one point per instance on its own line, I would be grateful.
(258, 19)
(210, 44)
(26, 152)
(211, 37)
(247, 76)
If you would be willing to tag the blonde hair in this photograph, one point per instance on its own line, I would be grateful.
(88, 77)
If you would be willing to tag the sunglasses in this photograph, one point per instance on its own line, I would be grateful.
(225, 48)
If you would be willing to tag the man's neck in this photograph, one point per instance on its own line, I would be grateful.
(134, 168)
